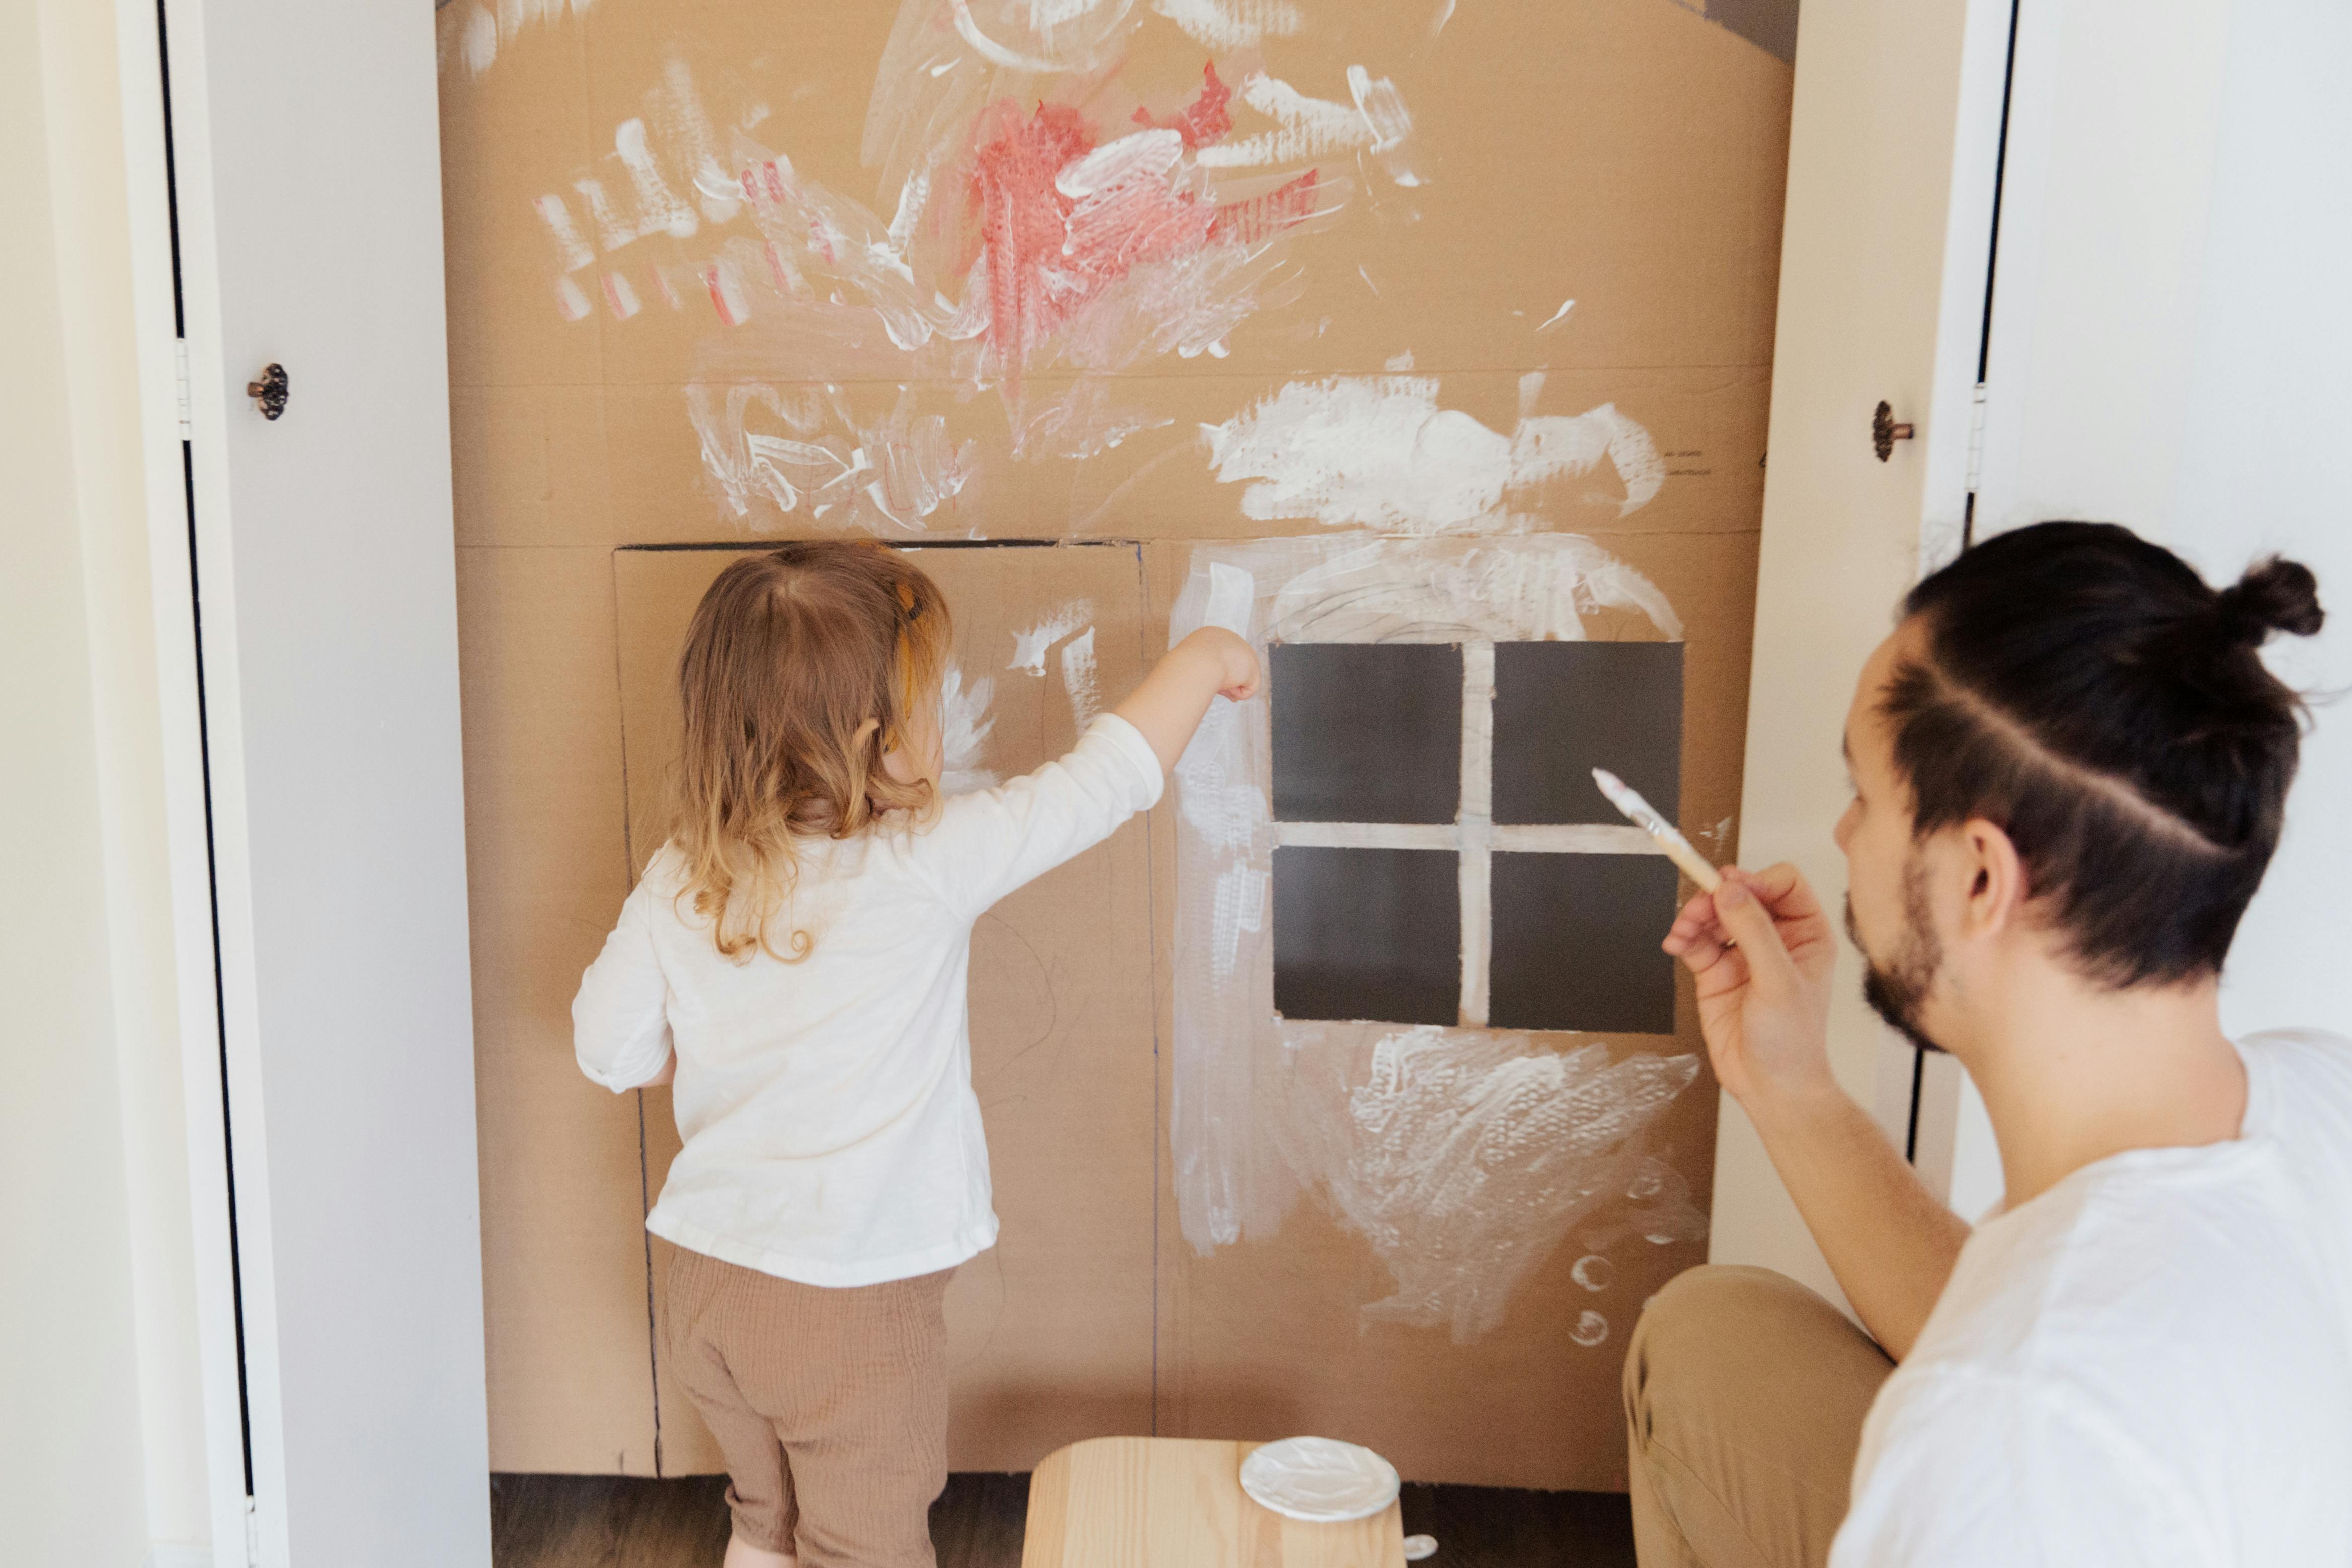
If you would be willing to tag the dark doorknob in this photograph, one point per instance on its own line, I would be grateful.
(270, 392)
(1883, 432)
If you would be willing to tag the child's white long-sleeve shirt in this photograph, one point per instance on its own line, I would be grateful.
(831, 1132)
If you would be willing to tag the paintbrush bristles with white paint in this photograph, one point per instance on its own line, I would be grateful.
(1639, 813)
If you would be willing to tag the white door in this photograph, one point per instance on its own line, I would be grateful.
(307, 193)
(2160, 343)
(2166, 351)
(1894, 146)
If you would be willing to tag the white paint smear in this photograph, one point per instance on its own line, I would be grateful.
(771, 453)
(1232, 594)
(474, 35)
(996, 53)
(1228, 25)
(1383, 107)
(611, 232)
(1475, 822)
(808, 279)
(1558, 316)
(1041, 38)
(482, 35)
(658, 207)
(1079, 422)
(1046, 14)
(964, 724)
(1307, 128)
(1078, 679)
(1030, 647)
(569, 248)
(691, 145)
(1464, 1156)
(1139, 155)
(1377, 451)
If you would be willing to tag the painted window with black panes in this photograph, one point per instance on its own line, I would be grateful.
(1442, 854)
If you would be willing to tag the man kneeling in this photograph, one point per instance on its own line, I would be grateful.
(2070, 767)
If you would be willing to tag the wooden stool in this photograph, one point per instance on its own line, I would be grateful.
(1177, 1502)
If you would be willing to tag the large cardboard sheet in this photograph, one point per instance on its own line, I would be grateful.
(562, 1173)
(724, 272)
(1271, 1333)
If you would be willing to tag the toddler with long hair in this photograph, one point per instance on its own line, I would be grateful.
(796, 957)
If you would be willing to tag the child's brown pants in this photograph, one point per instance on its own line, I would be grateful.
(830, 1404)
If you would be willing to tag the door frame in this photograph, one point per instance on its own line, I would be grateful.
(1894, 157)
(185, 405)
(164, 437)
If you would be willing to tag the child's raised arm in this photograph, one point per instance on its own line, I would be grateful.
(1168, 706)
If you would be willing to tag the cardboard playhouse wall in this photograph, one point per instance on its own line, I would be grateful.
(1426, 343)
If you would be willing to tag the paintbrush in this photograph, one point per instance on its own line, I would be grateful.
(1639, 813)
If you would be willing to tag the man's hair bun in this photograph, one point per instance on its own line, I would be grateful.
(2274, 595)
(2095, 697)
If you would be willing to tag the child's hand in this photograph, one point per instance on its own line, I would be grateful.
(1237, 660)
(1170, 703)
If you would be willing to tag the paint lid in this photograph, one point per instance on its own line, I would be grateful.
(1319, 1479)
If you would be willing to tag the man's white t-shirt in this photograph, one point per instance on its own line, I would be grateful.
(831, 1132)
(2150, 1363)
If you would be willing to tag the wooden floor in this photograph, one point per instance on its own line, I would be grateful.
(613, 1522)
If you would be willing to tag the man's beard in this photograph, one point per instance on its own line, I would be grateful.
(1898, 989)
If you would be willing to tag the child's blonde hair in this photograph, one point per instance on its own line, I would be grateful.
(790, 653)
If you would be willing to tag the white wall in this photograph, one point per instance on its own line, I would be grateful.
(2171, 348)
(1891, 149)
(102, 1456)
(2105, 208)
(2170, 343)
(2263, 462)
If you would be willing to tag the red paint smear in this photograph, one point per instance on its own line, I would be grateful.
(1203, 121)
(719, 297)
(1022, 219)
(1262, 216)
(1050, 257)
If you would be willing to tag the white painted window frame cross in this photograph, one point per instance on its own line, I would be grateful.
(1474, 833)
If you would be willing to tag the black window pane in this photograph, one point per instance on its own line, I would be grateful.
(1576, 943)
(1562, 709)
(1368, 933)
(1367, 733)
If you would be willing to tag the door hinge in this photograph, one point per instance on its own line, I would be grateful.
(180, 355)
(1976, 437)
(252, 1530)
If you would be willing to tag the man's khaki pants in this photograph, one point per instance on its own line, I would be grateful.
(1744, 1398)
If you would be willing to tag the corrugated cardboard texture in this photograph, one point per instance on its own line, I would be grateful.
(1625, 155)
